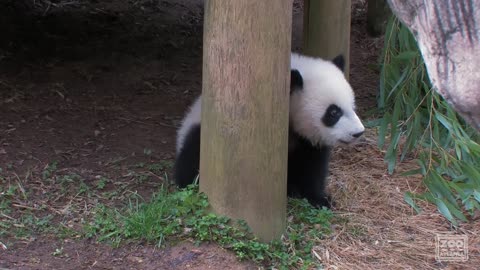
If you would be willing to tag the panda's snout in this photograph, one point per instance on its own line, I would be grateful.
(357, 135)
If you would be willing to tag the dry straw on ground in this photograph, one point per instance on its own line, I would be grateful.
(376, 227)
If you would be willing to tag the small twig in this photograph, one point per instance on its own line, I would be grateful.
(133, 120)
(145, 123)
(20, 186)
(115, 161)
(23, 206)
(316, 255)
(151, 173)
(6, 84)
(4, 247)
(165, 125)
(9, 217)
(101, 11)
(47, 9)
(67, 4)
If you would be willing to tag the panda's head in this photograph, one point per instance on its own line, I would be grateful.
(322, 103)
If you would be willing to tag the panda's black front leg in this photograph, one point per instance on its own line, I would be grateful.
(187, 161)
(320, 201)
(307, 174)
(313, 189)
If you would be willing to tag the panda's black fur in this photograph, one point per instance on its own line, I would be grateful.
(187, 161)
(308, 161)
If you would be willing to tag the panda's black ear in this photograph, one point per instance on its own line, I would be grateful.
(339, 61)
(296, 80)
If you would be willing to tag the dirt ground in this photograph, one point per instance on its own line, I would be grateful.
(99, 87)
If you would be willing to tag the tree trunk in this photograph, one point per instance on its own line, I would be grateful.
(447, 32)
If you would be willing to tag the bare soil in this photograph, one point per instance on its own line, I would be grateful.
(99, 87)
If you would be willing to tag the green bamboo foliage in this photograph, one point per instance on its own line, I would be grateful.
(417, 122)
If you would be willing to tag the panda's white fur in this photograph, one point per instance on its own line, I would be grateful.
(318, 85)
(192, 118)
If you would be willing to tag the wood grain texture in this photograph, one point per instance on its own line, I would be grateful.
(326, 29)
(244, 134)
(448, 35)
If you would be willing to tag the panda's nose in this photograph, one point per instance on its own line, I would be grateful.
(356, 135)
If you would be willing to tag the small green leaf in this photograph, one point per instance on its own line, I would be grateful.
(444, 121)
(382, 131)
(407, 55)
(408, 199)
(455, 211)
(476, 195)
(445, 212)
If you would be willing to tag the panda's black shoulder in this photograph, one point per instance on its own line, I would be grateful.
(298, 142)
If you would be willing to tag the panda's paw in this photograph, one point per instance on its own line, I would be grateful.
(322, 201)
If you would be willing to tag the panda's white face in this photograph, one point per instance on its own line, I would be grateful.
(322, 108)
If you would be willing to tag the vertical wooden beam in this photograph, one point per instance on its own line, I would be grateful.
(326, 29)
(244, 134)
(378, 13)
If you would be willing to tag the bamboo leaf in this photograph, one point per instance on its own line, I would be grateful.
(407, 55)
(408, 199)
(476, 195)
(444, 121)
(455, 211)
(443, 209)
(448, 150)
(472, 173)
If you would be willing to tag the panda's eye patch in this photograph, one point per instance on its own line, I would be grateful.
(332, 115)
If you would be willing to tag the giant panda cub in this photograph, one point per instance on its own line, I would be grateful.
(322, 114)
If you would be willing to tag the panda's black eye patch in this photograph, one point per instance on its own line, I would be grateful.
(296, 80)
(332, 115)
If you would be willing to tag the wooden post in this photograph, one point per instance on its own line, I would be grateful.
(378, 13)
(326, 29)
(244, 134)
